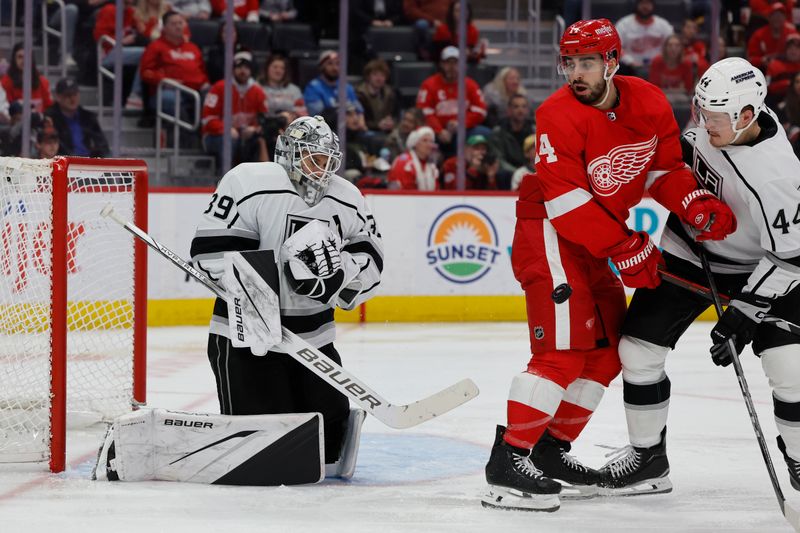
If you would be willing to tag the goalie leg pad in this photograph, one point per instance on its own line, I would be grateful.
(345, 467)
(258, 450)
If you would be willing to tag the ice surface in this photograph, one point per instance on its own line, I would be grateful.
(428, 478)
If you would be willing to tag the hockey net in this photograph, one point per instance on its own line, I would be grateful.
(72, 300)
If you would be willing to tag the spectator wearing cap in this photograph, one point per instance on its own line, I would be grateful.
(249, 105)
(438, 99)
(782, 69)
(510, 134)
(47, 142)
(671, 71)
(79, 132)
(283, 96)
(12, 81)
(415, 169)
(322, 92)
(642, 34)
(482, 167)
(172, 56)
(529, 148)
(242, 9)
(769, 41)
(378, 99)
(447, 34)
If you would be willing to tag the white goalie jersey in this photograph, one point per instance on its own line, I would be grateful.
(760, 181)
(256, 207)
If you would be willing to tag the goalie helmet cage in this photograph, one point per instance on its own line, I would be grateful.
(73, 300)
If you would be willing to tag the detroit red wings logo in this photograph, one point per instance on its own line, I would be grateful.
(607, 173)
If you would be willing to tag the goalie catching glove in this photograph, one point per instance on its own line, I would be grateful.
(315, 265)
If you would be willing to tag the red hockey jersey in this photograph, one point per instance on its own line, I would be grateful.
(245, 107)
(592, 166)
(439, 102)
(183, 62)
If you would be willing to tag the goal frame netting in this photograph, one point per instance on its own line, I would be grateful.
(64, 172)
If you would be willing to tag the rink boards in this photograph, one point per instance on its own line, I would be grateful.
(446, 257)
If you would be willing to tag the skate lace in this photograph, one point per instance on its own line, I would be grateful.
(623, 461)
(573, 463)
(524, 464)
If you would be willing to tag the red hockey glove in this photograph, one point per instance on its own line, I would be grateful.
(637, 260)
(709, 215)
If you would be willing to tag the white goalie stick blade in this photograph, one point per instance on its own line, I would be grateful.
(394, 416)
(508, 499)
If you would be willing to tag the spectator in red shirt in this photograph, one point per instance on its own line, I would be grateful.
(482, 167)
(249, 104)
(769, 41)
(424, 15)
(172, 56)
(782, 69)
(438, 100)
(670, 70)
(694, 49)
(133, 43)
(242, 9)
(447, 34)
(415, 168)
(12, 81)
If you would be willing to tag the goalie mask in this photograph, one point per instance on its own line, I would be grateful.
(729, 86)
(309, 151)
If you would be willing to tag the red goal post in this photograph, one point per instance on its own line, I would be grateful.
(73, 300)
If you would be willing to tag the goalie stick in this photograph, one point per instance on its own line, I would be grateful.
(394, 416)
(705, 292)
(789, 512)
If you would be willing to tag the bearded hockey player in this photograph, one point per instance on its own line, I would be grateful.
(741, 153)
(336, 261)
(602, 140)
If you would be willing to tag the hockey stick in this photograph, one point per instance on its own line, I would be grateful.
(789, 512)
(394, 416)
(705, 292)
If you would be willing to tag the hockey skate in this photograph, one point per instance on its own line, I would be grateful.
(515, 483)
(794, 466)
(636, 471)
(578, 482)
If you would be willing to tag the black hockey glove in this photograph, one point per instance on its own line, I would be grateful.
(737, 323)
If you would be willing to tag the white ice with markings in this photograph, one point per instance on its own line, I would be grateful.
(428, 478)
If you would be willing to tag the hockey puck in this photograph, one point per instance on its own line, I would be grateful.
(561, 293)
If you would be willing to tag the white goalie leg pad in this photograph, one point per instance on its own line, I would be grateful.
(345, 467)
(262, 450)
(251, 281)
(643, 364)
(782, 367)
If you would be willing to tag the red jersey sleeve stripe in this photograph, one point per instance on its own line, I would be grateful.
(567, 202)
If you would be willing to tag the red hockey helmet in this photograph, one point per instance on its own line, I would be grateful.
(597, 36)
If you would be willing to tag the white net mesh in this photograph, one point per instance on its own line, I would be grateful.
(100, 310)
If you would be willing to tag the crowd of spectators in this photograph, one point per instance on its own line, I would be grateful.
(389, 144)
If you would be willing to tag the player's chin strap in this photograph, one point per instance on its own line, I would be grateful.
(607, 92)
(738, 132)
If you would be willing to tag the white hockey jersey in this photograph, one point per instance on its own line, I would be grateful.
(256, 207)
(760, 181)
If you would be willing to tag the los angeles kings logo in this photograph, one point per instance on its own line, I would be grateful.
(608, 172)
